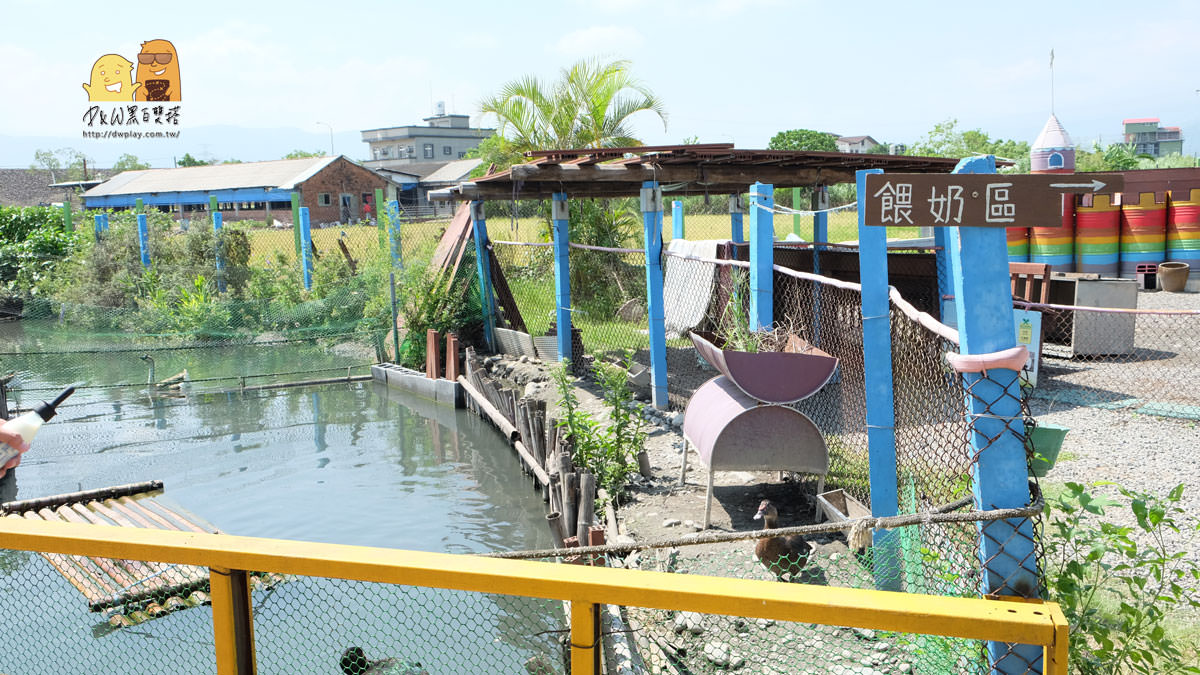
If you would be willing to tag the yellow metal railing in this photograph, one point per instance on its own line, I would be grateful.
(586, 588)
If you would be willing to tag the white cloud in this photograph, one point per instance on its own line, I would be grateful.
(593, 40)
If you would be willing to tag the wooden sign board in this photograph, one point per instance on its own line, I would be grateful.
(975, 200)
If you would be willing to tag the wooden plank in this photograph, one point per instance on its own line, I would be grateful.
(512, 313)
(77, 570)
(456, 233)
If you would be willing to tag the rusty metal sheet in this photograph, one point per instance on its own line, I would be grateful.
(772, 377)
(733, 432)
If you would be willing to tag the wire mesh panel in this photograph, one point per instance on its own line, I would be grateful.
(669, 641)
(608, 298)
(529, 271)
(1140, 361)
(162, 625)
(313, 625)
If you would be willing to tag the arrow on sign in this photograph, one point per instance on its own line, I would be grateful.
(1093, 186)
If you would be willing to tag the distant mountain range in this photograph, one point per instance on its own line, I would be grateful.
(217, 142)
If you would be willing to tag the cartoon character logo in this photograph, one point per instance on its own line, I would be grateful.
(158, 71)
(112, 79)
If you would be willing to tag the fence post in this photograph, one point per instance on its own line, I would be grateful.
(306, 261)
(393, 226)
(585, 638)
(139, 206)
(144, 238)
(945, 270)
(762, 255)
(218, 221)
(562, 273)
(881, 412)
(1001, 481)
(737, 211)
(677, 230)
(820, 202)
(99, 225)
(652, 226)
(797, 219)
(483, 264)
(381, 221)
(296, 221)
(233, 621)
(104, 221)
(68, 224)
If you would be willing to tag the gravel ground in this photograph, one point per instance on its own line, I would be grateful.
(1140, 451)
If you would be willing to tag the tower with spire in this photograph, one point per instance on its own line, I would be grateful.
(1053, 151)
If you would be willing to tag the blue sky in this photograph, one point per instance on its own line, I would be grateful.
(728, 70)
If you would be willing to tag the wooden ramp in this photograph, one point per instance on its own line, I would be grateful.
(142, 590)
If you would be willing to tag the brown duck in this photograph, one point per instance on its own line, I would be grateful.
(780, 555)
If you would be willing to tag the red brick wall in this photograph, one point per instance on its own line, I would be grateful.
(340, 177)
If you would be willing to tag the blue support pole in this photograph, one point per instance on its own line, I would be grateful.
(881, 411)
(983, 302)
(306, 262)
(677, 220)
(762, 255)
(393, 225)
(483, 266)
(820, 234)
(104, 220)
(99, 225)
(217, 219)
(144, 239)
(737, 212)
(652, 227)
(562, 273)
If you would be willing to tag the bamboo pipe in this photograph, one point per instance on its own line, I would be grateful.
(490, 410)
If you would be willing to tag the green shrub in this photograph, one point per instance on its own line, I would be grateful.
(1118, 594)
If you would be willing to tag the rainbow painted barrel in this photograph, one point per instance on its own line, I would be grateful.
(1098, 236)
(1183, 227)
(1143, 232)
(1018, 244)
(1055, 246)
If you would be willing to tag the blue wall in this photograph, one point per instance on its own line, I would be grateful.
(192, 197)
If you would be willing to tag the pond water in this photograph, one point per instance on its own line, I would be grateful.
(347, 463)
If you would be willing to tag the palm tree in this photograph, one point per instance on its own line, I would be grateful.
(588, 107)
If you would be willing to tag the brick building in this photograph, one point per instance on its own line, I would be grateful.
(333, 188)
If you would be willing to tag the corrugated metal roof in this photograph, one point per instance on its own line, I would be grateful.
(453, 172)
(281, 174)
(1140, 120)
(1053, 136)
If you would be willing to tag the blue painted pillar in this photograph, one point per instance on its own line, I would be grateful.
(217, 219)
(652, 226)
(144, 238)
(562, 273)
(393, 225)
(945, 272)
(820, 233)
(677, 220)
(762, 255)
(99, 225)
(483, 265)
(983, 300)
(881, 411)
(737, 212)
(104, 222)
(306, 262)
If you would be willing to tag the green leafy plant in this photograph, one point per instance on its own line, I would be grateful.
(1117, 593)
(607, 451)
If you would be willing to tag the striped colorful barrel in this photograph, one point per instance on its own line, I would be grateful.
(1098, 237)
(1143, 232)
(1055, 246)
(1183, 227)
(1018, 244)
